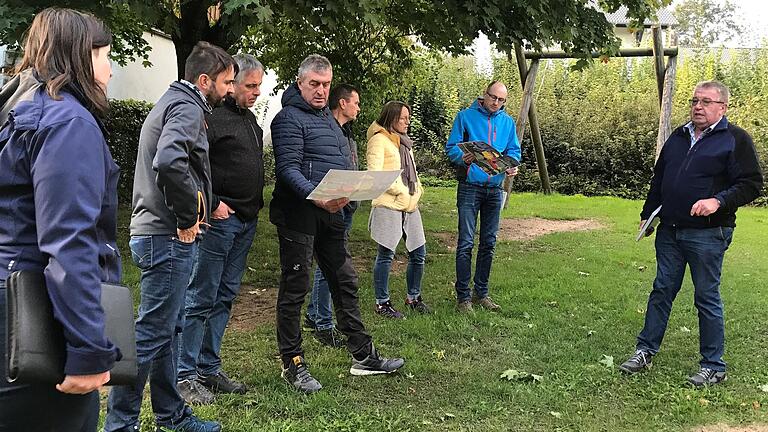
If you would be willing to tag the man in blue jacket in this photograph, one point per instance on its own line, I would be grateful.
(308, 142)
(707, 169)
(479, 193)
(171, 202)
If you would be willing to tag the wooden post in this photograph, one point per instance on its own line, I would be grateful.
(522, 118)
(658, 55)
(530, 83)
(665, 116)
(533, 120)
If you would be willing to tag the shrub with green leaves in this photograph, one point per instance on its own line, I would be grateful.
(124, 126)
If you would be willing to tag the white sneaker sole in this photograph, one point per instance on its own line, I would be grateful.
(364, 372)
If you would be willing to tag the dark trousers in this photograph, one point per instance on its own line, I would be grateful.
(329, 246)
(41, 408)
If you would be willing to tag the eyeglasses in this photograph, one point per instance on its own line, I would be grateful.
(704, 102)
(495, 98)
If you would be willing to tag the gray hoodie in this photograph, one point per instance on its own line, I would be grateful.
(172, 183)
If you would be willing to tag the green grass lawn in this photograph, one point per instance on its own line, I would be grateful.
(569, 300)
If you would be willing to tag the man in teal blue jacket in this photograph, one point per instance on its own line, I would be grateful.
(478, 192)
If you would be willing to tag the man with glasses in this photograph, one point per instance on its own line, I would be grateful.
(478, 192)
(707, 169)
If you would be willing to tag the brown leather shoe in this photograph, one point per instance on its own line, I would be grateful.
(464, 307)
(487, 304)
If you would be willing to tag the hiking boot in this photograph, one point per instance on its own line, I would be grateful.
(641, 360)
(297, 375)
(487, 304)
(190, 423)
(418, 305)
(706, 376)
(464, 307)
(221, 383)
(309, 324)
(194, 393)
(386, 310)
(331, 337)
(375, 364)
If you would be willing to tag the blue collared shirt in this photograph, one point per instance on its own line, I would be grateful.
(691, 130)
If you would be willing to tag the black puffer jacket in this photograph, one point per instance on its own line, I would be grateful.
(307, 142)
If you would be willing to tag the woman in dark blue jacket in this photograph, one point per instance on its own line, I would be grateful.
(58, 211)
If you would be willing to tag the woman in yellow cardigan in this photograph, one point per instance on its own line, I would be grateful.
(395, 214)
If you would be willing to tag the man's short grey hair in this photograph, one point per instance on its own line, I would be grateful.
(725, 94)
(314, 63)
(246, 63)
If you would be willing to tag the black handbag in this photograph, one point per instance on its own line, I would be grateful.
(36, 348)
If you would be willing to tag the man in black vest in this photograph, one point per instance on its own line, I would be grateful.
(237, 175)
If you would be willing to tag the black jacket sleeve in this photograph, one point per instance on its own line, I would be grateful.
(744, 172)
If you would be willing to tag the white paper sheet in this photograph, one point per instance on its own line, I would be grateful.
(355, 185)
(650, 223)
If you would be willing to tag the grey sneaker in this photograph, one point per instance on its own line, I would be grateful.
(706, 376)
(464, 307)
(297, 375)
(375, 364)
(641, 360)
(194, 393)
(487, 304)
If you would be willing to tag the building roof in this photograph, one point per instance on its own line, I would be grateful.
(664, 15)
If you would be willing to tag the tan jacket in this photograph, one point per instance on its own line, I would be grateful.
(384, 155)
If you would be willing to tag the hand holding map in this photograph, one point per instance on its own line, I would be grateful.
(488, 158)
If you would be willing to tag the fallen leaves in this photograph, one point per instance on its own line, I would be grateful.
(606, 360)
(515, 375)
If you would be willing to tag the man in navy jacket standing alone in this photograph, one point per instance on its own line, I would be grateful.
(707, 169)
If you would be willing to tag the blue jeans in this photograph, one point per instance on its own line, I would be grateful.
(471, 200)
(319, 308)
(166, 266)
(702, 250)
(215, 283)
(413, 274)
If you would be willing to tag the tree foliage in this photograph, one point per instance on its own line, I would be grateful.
(705, 23)
(450, 25)
(128, 45)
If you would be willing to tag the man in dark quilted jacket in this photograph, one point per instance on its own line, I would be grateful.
(308, 142)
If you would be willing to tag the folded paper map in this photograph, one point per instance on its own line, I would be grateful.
(488, 158)
(355, 185)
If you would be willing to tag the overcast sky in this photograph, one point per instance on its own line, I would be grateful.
(754, 15)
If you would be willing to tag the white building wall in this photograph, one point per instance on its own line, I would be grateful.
(134, 81)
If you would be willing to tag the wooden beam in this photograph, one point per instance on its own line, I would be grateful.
(658, 56)
(533, 120)
(530, 83)
(624, 52)
(665, 116)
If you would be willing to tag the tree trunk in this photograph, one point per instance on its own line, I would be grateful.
(194, 27)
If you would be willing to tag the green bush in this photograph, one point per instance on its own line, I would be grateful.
(124, 126)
